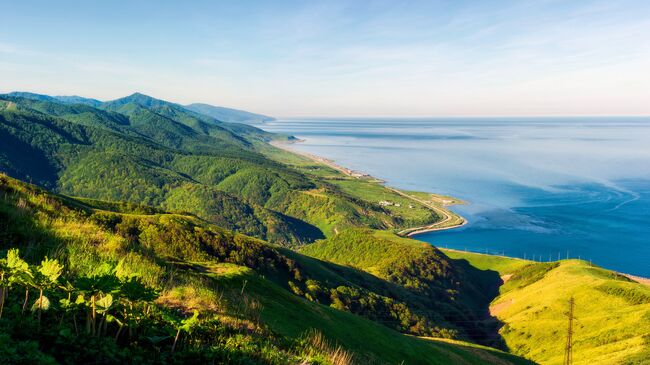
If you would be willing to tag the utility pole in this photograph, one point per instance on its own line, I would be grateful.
(568, 350)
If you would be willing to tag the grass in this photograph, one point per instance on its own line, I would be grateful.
(413, 208)
(443, 200)
(368, 341)
(370, 251)
(411, 211)
(298, 162)
(503, 265)
(613, 312)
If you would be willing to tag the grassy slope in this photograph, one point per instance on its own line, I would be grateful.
(44, 224)
(613, 312)
(293, 316)
(413, 212)
(370, 251)
(503, 265)
(458, 292)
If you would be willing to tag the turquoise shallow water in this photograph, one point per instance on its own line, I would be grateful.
(536, 187)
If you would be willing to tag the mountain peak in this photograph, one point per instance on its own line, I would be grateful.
(140, 99)
(137, 96)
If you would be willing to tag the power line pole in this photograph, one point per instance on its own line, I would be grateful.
(568, 351)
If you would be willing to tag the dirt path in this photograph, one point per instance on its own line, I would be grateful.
(499, 307)
(638, 279)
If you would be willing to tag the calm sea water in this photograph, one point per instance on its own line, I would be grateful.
(538, 187)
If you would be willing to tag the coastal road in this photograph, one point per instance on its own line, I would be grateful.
(437, 226)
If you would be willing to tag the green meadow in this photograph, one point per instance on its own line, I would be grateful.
(612, 311)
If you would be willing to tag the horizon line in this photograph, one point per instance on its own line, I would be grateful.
(317, 117)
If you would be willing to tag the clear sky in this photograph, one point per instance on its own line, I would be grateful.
(338, 58)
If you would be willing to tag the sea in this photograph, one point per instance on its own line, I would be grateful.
(535, 188)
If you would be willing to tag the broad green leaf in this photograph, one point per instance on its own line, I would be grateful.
(111, 318)
(51, 269)
(14, 261)
(104, 303)
(80, 299)
(188, 323)
(45, 306)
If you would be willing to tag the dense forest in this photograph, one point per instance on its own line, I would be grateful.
(146, 151)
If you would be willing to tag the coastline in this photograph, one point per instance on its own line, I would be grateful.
(413, 231)
(408, 232)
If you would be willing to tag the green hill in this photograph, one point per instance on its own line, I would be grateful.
(457, 294)
(152, 152)
(138, 277)
(613, 311)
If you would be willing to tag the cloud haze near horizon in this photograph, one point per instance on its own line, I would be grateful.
(339, 58)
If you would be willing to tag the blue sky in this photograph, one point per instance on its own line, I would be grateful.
(338, 58)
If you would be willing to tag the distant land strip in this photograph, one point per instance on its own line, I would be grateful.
(447, 215)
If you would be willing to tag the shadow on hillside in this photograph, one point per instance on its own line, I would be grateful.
(19, 227)
(480, 288)
(29, 163)
(306, 231)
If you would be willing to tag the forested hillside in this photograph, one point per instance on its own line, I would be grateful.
(152, 152)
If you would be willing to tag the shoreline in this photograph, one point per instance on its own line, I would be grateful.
(407, 232)
(325, 161)
(413, 231)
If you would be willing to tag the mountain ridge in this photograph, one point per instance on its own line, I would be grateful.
(229, 114)
(220, 113)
